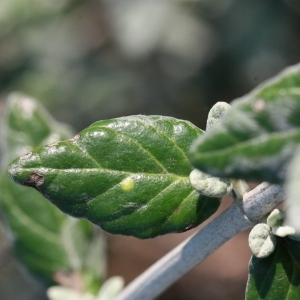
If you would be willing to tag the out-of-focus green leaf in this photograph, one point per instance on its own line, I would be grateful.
(16, 12)
(257, 137)
(128, 175)
(27, 125)
(65, 293)
(47, 241)
(276, 277)
(110, 288)
(292, 189)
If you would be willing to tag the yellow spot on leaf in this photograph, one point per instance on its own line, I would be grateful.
(127, 185)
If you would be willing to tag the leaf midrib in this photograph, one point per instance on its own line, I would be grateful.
(157, 162)
(75, 170)
(35, 226)
(148, 124)
(140, 208)
(249, 142)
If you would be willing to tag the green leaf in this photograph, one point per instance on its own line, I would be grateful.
(257, 137)
(27, 125)
(276, 277)
(292, 189)
(45, 240)
(128, 175)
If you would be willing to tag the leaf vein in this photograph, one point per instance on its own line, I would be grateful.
(168, 138)
(44, 232)
(139, 145)
(179, 204)
(89, 155)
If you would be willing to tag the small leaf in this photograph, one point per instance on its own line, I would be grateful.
(261, 241)
(110, 288)
(64, 293)
(209, 185)
(275, 218)
(283, 231)
(276, 277)
(257, 137)
(44, 239)
(128, 175)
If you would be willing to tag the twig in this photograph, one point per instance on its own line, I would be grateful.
(255, 205)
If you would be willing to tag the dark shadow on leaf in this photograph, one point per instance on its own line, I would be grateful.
(263, 271)
(290, 260)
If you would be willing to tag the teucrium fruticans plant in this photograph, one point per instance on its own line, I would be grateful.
(141, 175)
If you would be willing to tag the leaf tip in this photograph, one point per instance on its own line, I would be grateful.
(23, 176)
(216, 113)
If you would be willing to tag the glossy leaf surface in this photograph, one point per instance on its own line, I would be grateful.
(47, 241)
(276, 277)
(128, 175)
(257, 137)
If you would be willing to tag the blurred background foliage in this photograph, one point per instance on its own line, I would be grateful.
(87, 60)
(90, 60)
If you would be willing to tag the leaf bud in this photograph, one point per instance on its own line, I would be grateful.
(209, 185)
(261, 240)
(275, 218)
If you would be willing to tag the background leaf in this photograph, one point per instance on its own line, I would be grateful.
(27, 125)
(51, 244)
(128, 175)
(257, 137)
(276, 276)
(292, 189)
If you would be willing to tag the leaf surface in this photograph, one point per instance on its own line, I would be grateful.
(276, 277)
(257, 137)
(47, 241)
(128, 175)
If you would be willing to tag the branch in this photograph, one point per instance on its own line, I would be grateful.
(255, 205)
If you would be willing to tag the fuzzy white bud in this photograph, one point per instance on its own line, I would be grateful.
(261, 241)
(208, 185)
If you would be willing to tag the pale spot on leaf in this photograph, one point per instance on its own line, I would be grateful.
(127, 185)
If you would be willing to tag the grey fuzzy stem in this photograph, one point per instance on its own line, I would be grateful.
(256, 204)
(261, 201)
